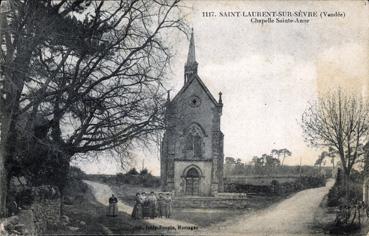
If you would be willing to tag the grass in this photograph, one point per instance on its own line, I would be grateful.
(86, 211)
(93, 214)
(207, 217)
(324, 222)
(200, 217)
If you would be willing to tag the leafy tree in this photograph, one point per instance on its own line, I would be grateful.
(239, 167)
(321, 158)
(230, 160)
(132, 171)
(144, 171)
(276, 153)
(229, 166)
(331, 154)
(258, 163)
(270, 161)
(285, 153)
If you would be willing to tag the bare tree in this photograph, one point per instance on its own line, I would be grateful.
(92, 70)
(340, 122)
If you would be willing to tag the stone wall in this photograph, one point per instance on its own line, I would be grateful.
(46, 212)
(259, 180)
(34, 219)
(211, 202)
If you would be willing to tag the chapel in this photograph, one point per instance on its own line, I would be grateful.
(191, 156)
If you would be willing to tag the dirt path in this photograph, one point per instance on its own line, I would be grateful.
(102, 192)
(292, 216)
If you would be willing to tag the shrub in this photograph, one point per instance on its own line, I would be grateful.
(24, 198)
(276, 188)
(150, 181)
(337, 193)
(144, 172)
(144, 179)
(132, 171)
(77, 173)
(334, 195)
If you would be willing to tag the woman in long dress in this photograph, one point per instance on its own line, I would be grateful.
(137, 209)
(153, 205)
(113, 210)
(162, 206)
(168, 201)
(145, 205)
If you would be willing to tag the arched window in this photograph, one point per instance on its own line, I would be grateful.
(194, 142)
(189, 142)
(197, 146)
(193, 173)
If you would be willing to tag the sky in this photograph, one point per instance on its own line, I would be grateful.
(267, 72)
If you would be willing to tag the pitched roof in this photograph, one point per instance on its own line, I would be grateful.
(203, 86)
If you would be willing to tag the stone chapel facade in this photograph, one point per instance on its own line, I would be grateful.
(192, 146)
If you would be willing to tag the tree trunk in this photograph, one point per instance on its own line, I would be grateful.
(346, 183)
(3, 183)
(4, 124)
(4, 121)
(7, 152)
(65, 165)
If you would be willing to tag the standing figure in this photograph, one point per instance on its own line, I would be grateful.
(347, 213)
(112, 211)
(145, 205)
(168, 204)
(137, 212)
(162, 206)
(153, 204)
(359, 208)
(366, 210)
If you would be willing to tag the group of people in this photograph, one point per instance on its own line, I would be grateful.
(348, 213)
(151, 206)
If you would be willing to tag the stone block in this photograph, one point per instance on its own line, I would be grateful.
(209, 202)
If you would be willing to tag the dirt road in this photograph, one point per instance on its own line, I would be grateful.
(102, 192)
(292, 216)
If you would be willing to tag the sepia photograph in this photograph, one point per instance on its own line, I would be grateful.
(184, 117)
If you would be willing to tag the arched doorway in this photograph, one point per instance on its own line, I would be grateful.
(192, 182)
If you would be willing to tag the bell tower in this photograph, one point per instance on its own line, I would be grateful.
(190, 68)
(192, 146)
